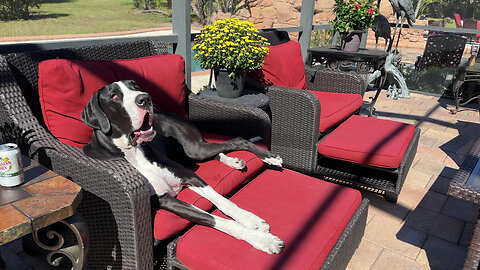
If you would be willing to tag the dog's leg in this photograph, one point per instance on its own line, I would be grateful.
(259, 239)
(189, 179)
(201, 150)
(197, 149)
(248, 219)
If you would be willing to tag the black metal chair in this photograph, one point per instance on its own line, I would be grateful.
(442, 50)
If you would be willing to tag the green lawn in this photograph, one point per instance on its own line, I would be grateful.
(57, 17)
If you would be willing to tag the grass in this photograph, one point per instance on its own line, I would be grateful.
(60, 17)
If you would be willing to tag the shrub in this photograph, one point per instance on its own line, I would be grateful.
(17, 9)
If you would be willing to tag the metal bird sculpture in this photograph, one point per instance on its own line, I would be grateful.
(381, 27)
(403, 10)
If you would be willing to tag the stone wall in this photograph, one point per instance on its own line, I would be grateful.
(285, 13)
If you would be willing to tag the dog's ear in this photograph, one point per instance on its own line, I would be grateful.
(93, 116)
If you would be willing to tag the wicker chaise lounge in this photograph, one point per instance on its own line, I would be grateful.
(116, 201)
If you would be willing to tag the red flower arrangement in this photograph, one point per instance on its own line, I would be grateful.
(354, 15)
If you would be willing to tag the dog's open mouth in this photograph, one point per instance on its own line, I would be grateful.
(145, 133)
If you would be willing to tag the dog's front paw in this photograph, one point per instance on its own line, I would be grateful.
(267, 242)
(232, 162)
(253, 222)
(275, 161)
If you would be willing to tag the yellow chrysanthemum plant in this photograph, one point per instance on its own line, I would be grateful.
(230, 44)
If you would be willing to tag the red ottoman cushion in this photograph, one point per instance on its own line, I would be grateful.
(369, 141)
(336, 107)
(308, 214)
(221, 177)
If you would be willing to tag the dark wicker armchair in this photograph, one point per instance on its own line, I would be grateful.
(296, 112)
(296, 117)
(116, 202)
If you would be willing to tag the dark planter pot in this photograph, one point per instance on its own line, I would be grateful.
(229, 87)
(351, 41)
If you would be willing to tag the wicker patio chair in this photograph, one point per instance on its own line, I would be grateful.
(296, 135)
(116, 201)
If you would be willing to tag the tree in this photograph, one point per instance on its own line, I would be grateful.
(17, 9)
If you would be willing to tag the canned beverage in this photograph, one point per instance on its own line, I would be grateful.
(11, 169)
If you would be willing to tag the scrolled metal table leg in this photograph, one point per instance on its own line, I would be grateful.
(383, 79)
(75, 253)
(456, 88)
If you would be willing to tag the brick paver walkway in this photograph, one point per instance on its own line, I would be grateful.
(426, 229)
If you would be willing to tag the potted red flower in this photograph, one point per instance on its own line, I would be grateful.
(353, 17)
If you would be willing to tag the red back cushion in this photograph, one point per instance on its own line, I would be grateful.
(66, 86)
(283, 66)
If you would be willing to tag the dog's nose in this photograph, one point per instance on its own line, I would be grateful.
(143, 101)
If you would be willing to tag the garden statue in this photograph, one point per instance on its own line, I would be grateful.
(381, 27)
(395, 77)
(403, 10)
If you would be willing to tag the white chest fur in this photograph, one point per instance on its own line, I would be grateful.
(160, 180)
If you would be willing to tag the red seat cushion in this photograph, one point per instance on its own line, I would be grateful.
(283, 66)
(308, 214)
(219, 176)
(336, 107)
(65, 87)
(369, 141)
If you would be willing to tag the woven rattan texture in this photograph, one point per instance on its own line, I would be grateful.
(458, 187)
(339, 256)
(472, 260)
(116, 203)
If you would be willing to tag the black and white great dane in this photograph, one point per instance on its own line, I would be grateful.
(125, 126)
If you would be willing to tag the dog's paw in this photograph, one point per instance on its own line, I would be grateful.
(267, 242)
(253, 222)
(232, 162)
(275, 161)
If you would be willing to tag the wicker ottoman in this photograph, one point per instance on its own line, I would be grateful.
(370, 153)
(321, 224)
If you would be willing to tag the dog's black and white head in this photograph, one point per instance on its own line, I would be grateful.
(121, 116)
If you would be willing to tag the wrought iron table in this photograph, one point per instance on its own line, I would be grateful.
(364, 62)
(43, 200)
(466, 73)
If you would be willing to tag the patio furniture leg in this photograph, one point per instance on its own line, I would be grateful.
(2, 263)
(391, 197)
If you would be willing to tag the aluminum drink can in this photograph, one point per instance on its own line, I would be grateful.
(11, 169)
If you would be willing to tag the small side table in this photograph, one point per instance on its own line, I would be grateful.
(366, 61)
(249, 98)
(466, 73)
(45, 198)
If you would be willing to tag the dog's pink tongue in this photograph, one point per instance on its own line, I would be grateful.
(137, 133)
